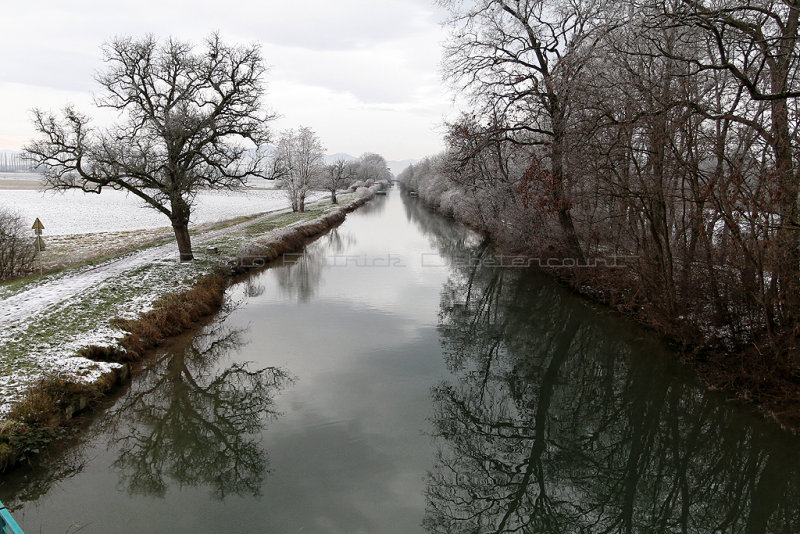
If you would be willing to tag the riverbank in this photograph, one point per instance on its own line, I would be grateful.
(81, 348)
(743, 373)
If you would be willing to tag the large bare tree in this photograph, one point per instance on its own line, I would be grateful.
(187, 117)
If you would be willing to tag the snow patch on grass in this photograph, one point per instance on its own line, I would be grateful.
(47, 344)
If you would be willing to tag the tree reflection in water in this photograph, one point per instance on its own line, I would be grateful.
(558, 421)
(299, 275)
(194, 422)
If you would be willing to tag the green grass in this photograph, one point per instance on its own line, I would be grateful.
(199, 230)
(262, 227)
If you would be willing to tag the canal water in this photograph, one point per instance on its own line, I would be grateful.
(394, 379)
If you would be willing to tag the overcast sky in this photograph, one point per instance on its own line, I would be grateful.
(364, 74)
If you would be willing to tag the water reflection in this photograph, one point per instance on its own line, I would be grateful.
(20, 487)
(375, 206)
(300, 274)
(553, 418)
(195, 422)
(338, 240)
(188, 419)
(559, 421)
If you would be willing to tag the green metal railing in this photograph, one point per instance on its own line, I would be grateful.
(7, 523)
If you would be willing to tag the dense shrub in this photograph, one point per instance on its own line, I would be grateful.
(17, 250)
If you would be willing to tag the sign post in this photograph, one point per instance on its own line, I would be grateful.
(37, 231)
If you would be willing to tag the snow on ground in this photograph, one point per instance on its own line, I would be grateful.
(75, 212)
(56, 306)
(23, 306)
(71, 318)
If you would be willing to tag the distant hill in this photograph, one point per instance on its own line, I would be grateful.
(330, 158)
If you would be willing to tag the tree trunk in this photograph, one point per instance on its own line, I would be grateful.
(787, 235)
(180, 224)
(658, 213)
(559, 188)
(184, 241)
(333, 196)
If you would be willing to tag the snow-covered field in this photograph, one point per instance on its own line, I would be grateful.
(75, 212)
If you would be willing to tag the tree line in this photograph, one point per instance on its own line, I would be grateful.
(14, 162)
(554, 420)
(298, 161)
(664, 134)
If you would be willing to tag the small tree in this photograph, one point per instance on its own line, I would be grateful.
(17, 252)
(336, 176)
(184, 115)
(298, 162)
(372, 168)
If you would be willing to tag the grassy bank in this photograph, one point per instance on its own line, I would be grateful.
(81, 349)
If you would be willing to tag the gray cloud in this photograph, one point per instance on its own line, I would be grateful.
(382, 54)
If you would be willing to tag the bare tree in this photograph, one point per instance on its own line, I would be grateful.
(372, 168)
(183, 113)
(756, 43)
(298, 162)
(669, 140)
(17, 252)
(192, 421)
(337, 175)
(518, 60)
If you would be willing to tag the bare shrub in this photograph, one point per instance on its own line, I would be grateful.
(17, 251)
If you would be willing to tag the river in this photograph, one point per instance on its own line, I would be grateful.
(391, 379)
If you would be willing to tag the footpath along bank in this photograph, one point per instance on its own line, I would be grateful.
(71, 338)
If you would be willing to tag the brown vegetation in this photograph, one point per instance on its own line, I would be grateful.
(664, 146)
(39, 418)
(171, 315)
(290, 239)
(17, 250)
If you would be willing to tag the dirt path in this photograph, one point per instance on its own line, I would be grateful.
(23, 306)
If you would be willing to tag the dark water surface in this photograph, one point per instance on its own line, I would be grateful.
(391, 380)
